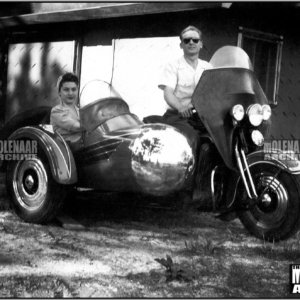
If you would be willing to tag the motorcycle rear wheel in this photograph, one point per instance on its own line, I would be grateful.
(277, 214)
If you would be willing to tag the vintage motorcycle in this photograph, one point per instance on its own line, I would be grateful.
(122, 153)
(260, 184)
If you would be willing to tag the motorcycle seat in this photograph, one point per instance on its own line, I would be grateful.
(154, 119)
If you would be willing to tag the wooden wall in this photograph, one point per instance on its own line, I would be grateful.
(219, 26)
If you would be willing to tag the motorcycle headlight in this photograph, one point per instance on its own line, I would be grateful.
(266, 109)
(237, 112)
(255, 114)
(257, 138)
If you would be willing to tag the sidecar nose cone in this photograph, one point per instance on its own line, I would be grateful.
(162, 159)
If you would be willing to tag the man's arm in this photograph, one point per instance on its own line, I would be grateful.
(170, 98)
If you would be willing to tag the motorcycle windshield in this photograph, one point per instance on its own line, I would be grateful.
(230, 81)
(231, 57)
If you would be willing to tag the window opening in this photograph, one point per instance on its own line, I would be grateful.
(264, 51)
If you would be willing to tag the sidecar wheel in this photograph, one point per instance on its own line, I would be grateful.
(35, 196)
(277, 215)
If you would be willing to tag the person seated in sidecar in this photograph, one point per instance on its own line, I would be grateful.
(65, 116)
(178, 81)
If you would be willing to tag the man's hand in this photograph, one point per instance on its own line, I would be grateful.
(185, 112)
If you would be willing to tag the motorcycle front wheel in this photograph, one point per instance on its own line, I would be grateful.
(276, 216)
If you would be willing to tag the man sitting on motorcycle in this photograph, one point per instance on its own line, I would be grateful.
(178, 81)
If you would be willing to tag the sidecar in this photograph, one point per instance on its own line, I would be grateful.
(119, 153)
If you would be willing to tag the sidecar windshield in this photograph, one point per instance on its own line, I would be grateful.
(231, 57)
(96, 90)
(100, 102)
(120, 122)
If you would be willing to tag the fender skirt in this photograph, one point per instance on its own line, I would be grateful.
(58, 152)
(282, 160)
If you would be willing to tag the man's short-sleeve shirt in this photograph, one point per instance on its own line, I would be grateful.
(180, 76)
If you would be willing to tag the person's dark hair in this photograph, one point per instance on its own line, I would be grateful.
(68, 77)
(190, 28)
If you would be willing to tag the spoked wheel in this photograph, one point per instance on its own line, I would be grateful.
(277, 213)
(34, 194)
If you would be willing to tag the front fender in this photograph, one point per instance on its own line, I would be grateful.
(58, 152)
(283, 160)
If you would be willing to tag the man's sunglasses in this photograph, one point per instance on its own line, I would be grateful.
(186, 41)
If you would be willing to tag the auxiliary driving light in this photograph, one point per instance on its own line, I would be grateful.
(237, 112)
(255, 114)
(266, 109)
(257, 138)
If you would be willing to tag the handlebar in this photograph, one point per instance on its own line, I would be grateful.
(193, 113)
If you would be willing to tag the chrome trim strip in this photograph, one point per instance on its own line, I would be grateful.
(212, 178)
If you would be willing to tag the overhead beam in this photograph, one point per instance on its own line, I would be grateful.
(100, 12)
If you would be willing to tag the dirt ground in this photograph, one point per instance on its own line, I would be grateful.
(110, 250)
